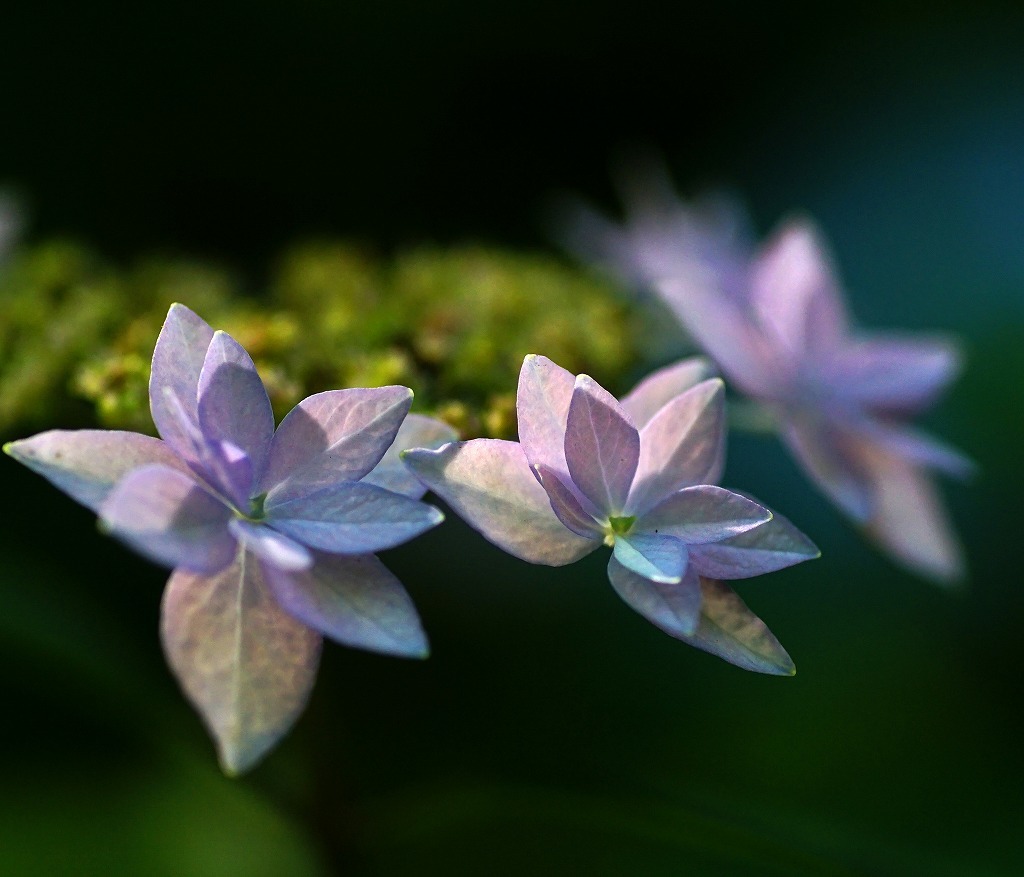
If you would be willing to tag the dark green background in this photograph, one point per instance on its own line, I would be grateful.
(553, 731)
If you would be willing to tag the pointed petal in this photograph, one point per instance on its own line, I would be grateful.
(416, 431)
(892, 373)
(726, 333)
(770, 546)
(683, 445)
(245, 664)
(566, 506)
(825, 455)
(922, 449)
(87, 463)
(165, 515)
(274, 549)
(488, 483)
(601, 446)
(177, 362)
(728, 629)
(233, 403)
(355, 601)
(542, 407)
(352, 518)
(674, 607)
(704, 513)
(335, 436)
(910, 522)
(662, 386)
(655, 557)
(795, 293)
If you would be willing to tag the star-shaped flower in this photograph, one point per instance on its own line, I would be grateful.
(775, 322)
(271, 534)
(637, 475)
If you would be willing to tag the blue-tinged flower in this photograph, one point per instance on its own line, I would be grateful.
(639, 476)
(775, 322)
(271, 534)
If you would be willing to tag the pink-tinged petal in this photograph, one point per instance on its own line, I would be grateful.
(729, 630)
(894, 374)
(683, 445)
(233, 403)
(910, 522)
(352, 518)
(335, 436)
(922, 449)
(272, 548)
(416, 431)
(165, 514)
(87, 463)
(488, 483)
(659, 558)
(795, 293)
(355, 601)
(827, 458)
(602, 447)
(245, 664)
(673, 607)
(726, 333)
(704, 513)
(177, 362)
(566, 506)
(542, 406)
(767, 547)
(662, 386)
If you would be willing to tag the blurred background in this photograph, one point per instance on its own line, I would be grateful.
(553, 731)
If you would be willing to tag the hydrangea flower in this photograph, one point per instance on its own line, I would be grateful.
(270, 533)
(774, 320)
(637, 475)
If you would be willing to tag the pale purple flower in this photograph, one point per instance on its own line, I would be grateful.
(271, 534)
(774, 321)
(636, 475)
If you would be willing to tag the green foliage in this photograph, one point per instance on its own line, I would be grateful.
(76, 334)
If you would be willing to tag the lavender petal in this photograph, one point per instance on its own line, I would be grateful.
(660, 387)
(703, 513)
(673, 607)
(167, 516)
(566, 506)
(489, 484)
(87, 463)
(355, 601)
(542, 406)
(416, 431)
(770, 546)
(340, 435)
(245, 664)
(660, 558)
(275, 550)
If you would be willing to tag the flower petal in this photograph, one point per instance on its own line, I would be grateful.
(233, 403)
(770, 546)
(795, 293)
(542, 407)
(87, 463)
(352, 518)
(245, 664)
(355, 601)
(566, 506)
(488, 483)
(683, 445)
(177, 362)
(922, 449)
(601, 446)
(825, 453)
(274, 549)
(893, 373)
(704, 513)
(659, 558)
(416, 431)
(729, 630)
(662, 386)
(335, 436)
(674, 607)
(165, 515)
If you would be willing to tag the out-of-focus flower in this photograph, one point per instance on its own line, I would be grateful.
(774, 320)
(271, 534)
(637, 475)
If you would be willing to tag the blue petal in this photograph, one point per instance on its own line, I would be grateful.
(655, 557)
